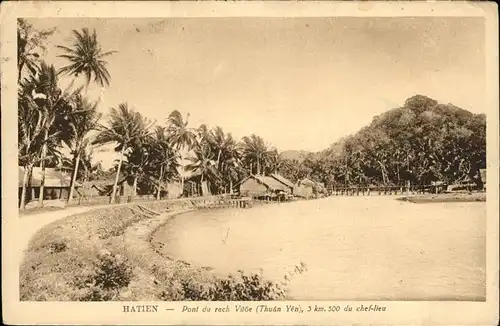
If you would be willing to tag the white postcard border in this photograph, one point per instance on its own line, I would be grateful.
(397, 312)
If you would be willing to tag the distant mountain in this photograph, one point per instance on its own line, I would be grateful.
(295, 155)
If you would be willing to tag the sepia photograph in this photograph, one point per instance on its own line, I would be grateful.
(271, 159)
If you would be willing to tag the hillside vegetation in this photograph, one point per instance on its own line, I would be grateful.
(420, 142)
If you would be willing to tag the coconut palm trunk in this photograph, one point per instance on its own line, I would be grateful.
(115, 186)
(134, 187)
(201, 185)
(42, 168)
(218, 158)
(73, 178)
(160, 181)
(26, 175)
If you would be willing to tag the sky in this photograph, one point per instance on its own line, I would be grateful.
(300, 83)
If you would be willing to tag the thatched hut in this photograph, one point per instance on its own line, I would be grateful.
(307, 188)
(289, 184)
(258, 186)
(57, 184)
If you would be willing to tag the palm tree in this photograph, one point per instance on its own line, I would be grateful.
(232, 171)
(125, 128)
(204, 136)
(53, 106)
(86, 57)
(138, 158)
(203, 165)
(86, 170)
(164, 156)
(29, 46)
(83, 119)
(183, 138)
(25, 57)
(30, 134)
(279, 164)
(227, 156)
(256, 152)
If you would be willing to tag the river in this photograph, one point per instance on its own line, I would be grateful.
(355, 248)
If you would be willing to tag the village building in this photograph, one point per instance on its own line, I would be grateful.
(307, 188)
(259, 186)
(57, 184)
(284, 181)
(303, 191)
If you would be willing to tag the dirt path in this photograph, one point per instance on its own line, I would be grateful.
(28, 225)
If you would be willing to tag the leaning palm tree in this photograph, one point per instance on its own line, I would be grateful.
(83, 119)
(125, 128)
(86, 57)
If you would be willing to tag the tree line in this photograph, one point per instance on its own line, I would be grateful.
(50, 118)
(421, 142)
(418, 143)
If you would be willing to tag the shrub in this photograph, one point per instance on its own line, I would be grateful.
(232, 288)
(57, 246)
(110, 274)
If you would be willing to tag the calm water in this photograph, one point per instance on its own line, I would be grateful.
(355, 248)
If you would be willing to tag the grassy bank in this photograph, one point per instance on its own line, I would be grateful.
(446, 198)
(63, 253)
(106, 254)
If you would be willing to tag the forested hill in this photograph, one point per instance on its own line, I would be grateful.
(422, 141)
(294, 155)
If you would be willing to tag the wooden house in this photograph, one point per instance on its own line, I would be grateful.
(57, 184)
(303, 191)
(308, 188)
(258, 186)
(289, 184)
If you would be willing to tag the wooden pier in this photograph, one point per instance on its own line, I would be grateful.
(223, 202)
(383, 190)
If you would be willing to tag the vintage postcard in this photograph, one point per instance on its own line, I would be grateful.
(299, 163)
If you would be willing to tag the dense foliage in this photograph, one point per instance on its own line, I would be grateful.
(421, 142)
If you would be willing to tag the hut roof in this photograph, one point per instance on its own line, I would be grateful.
(307, 182)
(108, 180)
(283, 180)
(53, 178)
(310, 183)
(270, 182)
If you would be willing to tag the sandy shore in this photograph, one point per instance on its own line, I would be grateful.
(462, 197)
